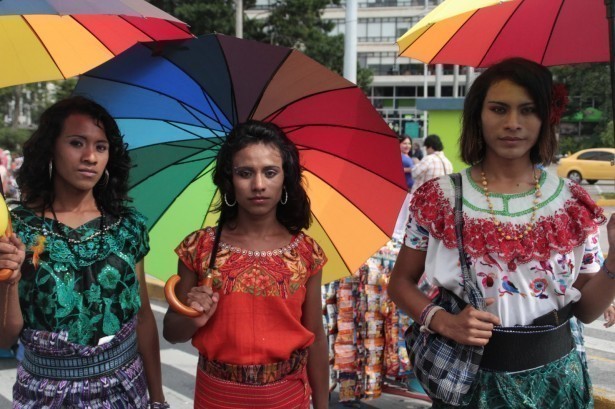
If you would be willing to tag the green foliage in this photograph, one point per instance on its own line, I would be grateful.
(13, 139)
(607, 138)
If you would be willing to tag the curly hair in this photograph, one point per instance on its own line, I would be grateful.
(33, 177)
(295, 215)
(536, 80)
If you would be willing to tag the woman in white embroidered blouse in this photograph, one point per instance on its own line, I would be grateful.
(530, 239)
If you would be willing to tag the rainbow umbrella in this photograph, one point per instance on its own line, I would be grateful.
(175, 107)
(43, 40)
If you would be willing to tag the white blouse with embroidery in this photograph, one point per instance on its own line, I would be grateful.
(527, 277)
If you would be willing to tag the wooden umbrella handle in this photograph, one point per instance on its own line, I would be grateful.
(5, 273)
(174, 303)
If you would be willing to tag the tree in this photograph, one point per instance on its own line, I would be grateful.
(204, 16)
(588, 85)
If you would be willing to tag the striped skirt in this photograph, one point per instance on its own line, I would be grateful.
(292, 391)
(125, 388)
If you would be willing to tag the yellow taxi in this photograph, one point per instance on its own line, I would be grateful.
(589, 164)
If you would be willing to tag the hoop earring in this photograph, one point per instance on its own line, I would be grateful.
(229, 204)
(50, 170)
(104, 180)
(283, 202)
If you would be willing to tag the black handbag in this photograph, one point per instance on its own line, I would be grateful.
(445, 368)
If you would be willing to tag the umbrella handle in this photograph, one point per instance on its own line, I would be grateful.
(174, 303)
(5, 273)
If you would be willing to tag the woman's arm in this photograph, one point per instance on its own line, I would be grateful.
(318, 353)
(598, 292)
(180, 328)
(148, 342)
(470, 327)
(12, 254)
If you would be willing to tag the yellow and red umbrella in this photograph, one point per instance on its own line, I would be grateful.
(43, 40)
(176, 106)
(480, 33)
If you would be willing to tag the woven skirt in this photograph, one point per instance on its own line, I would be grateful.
(122, 388)
(286, 385)
(564, 383)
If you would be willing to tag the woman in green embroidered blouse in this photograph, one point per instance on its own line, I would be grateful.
(81, 290)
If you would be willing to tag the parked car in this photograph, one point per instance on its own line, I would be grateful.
(589, 164)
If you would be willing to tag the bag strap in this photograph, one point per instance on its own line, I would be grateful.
(469, 283)
(214, 248)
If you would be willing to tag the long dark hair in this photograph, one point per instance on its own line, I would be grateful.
(33, 178)
(537, 81)
(295, 215)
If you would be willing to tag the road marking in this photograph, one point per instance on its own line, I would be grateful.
(181, 360)
(158, 308)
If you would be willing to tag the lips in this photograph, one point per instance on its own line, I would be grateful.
(87, 172)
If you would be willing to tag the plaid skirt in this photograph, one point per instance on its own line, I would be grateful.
(125, 388)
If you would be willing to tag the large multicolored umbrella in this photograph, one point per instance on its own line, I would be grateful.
(43, 40)
(176, 105)
(551, 32)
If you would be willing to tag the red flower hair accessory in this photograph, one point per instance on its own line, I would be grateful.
(559, 102)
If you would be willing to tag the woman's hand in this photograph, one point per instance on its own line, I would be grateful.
(609, 316)
(469, 327)
(203, 299)
(12, 256)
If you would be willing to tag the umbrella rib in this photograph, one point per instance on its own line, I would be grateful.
(86, 29)
(183, 104)
(495, 38)
(264, 88)
(347, 199)
(132, 25)
(279, 111)
(559, 11)
(43, 45)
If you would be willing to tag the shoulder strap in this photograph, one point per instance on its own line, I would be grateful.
(214, 248)
(469, 283)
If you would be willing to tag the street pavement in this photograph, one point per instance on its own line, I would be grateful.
(179, 366)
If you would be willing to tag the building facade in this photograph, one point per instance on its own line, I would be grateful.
(397, 81)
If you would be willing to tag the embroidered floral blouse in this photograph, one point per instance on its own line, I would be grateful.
(258, 319)
(527, 277)
(87, 286)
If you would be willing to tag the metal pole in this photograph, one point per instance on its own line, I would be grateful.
(350, 41)
(239, 18)
(610, 15)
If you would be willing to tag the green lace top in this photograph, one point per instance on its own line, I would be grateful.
(85, 283)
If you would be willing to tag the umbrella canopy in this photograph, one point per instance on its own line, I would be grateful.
(176, 105)
(551, 32)
(43, 40)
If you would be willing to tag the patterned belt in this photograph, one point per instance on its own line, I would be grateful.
(255, 374)
(80, 367)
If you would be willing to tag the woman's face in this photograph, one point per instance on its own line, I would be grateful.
(81, 153)
(258, 178)
(510, 123)
(405, 145)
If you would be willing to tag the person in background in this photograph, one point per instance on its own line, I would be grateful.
(260, 337)
(405, 144)
(78, 287)
(531, 241)
(433, 165)
(416, 151)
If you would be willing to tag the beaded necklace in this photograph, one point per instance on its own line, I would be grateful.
(528, 227)
(101, 230)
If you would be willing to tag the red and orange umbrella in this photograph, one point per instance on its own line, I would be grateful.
(177, 105)
(43, 40)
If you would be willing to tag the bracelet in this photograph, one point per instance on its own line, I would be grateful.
(159, 405)
(609, 274)
(432, 312)
(425, 311)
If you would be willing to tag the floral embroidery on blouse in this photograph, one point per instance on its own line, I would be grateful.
(561, 231)
(278, 273)
(87, 288)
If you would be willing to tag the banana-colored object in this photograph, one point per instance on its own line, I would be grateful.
(5, 226)
(174, 303)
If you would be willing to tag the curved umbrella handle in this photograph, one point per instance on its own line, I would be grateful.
(5, 273)
(174, 303)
